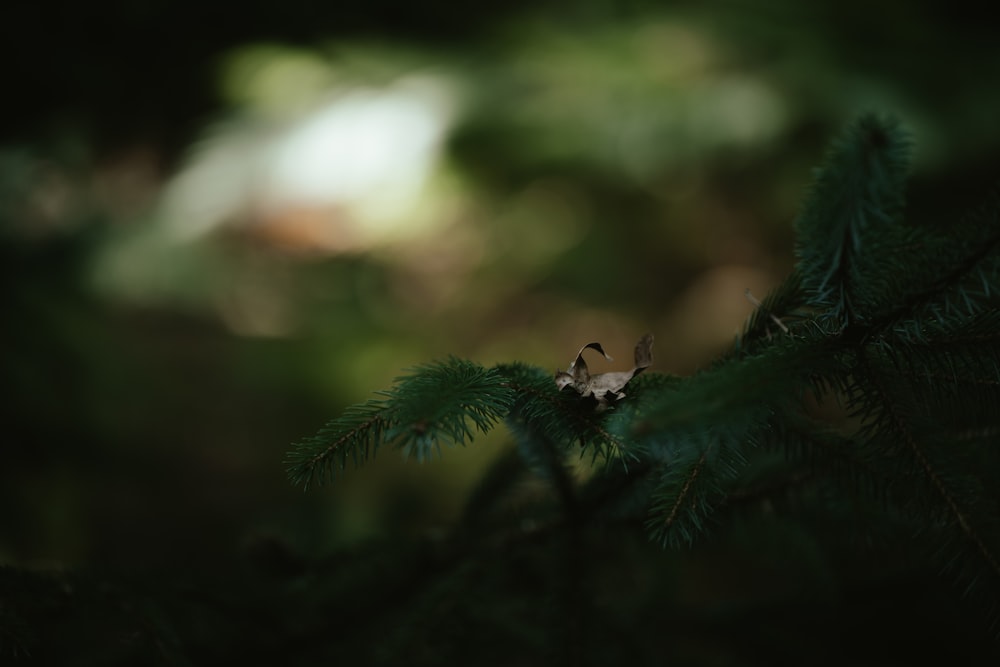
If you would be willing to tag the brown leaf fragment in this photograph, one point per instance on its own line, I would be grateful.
(606, 388)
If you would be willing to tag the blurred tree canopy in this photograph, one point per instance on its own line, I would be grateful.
(187, 288)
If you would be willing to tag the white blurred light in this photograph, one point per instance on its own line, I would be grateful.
(367, 152)
(358, 146)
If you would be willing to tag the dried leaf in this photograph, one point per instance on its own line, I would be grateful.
(606, 388)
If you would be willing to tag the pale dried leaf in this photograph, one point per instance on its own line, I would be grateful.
(606, 388)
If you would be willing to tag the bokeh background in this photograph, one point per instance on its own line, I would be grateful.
(221, 223)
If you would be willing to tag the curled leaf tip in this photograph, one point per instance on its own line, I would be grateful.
(606, 388)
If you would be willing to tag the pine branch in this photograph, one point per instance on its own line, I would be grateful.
(560, 416)
(951, 276)
(950, 367)
(899, 322)
(889, 423)
(433, 405)
(830, 456)
(679, 510)
(436, 403)
(846, 230)
(740, 395)
(692, 485)
(782, 308)
(355, 434)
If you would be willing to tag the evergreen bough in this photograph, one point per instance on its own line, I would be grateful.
(824, 493)
(863, 396)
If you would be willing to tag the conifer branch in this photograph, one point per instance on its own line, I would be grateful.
(560, 416)
(829, 455)
(897, 422)
(691, 487)
(902, 322)
(934, 300)
(432, 405)
(741, 394)
(683, 493)
(772, 316)
(843, 228)
(355, 433)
